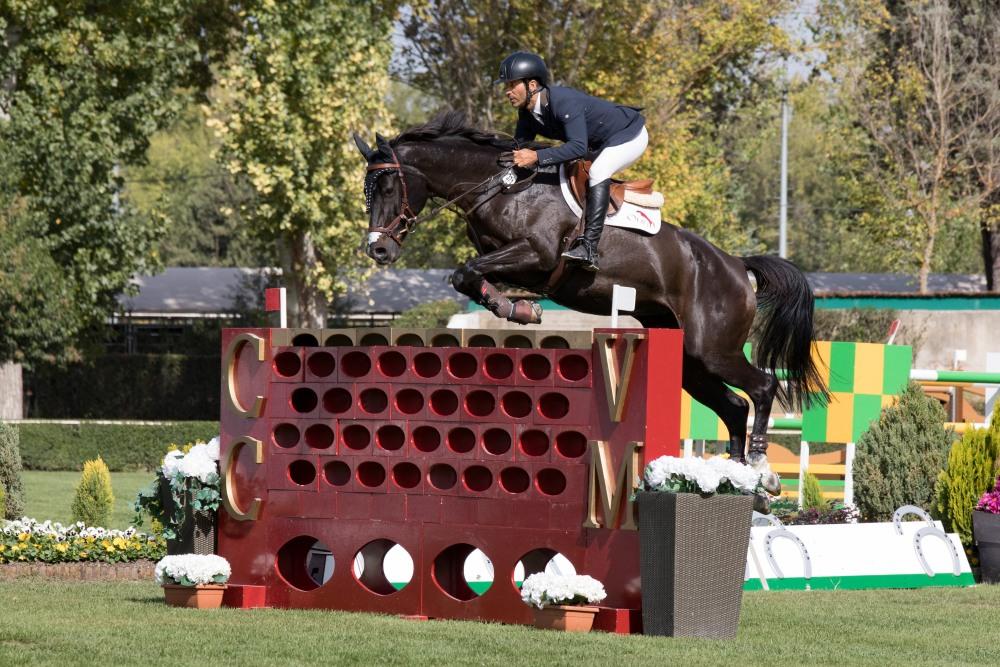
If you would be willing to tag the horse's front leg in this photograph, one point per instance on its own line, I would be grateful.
(512, 258)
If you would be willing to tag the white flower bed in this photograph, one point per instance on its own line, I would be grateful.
(543, 589)
(192, 570)
(698, 475)
(201, 463)
(61, 533)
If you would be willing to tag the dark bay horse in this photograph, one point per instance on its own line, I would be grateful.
(681, 280)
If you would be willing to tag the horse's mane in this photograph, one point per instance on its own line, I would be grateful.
(452, 123)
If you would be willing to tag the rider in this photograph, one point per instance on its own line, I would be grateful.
(616, 133)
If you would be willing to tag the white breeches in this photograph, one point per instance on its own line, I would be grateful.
(615, 158)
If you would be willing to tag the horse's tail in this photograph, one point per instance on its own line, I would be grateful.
(785, 330)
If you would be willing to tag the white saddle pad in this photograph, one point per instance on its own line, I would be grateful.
(630, 216)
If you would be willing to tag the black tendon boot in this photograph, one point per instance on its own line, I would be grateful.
(585, 249)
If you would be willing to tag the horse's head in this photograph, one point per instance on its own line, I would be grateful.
(394, 195)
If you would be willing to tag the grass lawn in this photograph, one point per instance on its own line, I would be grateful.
(46, 623)
(49, 495)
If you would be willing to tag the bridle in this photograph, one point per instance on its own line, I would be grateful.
(407, 219)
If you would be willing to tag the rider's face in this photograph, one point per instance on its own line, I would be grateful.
(517, 92)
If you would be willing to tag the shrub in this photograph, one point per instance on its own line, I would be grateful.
(94, 498)
(123, 447)
(812, 495)
(10, 472)
(3, 503)
(898, 459)
(969, 474)
(428, 315)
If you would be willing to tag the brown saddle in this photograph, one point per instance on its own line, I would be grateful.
(579, 170)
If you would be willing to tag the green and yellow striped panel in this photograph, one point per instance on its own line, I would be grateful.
(863, 378)
(699, 422)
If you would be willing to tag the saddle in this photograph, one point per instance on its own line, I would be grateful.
(579, 171)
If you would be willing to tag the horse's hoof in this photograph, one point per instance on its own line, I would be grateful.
(526, 312)
(762, 503)
(756, 459)
(772, 483)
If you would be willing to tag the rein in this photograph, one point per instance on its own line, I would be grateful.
(407, 219)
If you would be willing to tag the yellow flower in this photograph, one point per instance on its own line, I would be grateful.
(119, 542)
(62, 547)
(24, 537)
(83, 554)
(3, 547)
(91, 539)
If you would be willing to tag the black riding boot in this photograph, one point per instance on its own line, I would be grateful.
(585, 249)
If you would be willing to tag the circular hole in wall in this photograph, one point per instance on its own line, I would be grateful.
(409, 401)
(383, 567)
(286, 435)
(374, 401)
(554, 343)
(338, 340)
(550, 481)
(356, 436)
(302, 472)
(371, 474)
(514, 480)
(480, 403)
(304, 563)
(391, 364)
(337, 473)
(573, 367)
(462, 365)
(496, 441)
(410, 340)
(373, 338)
(534, 442)
(444, 402)
(304, 400)
(337, 400)
(442, 476)
(477, 478)
(541, 560)
(406, 475)
(498, 366)
(321, 364)
(445, 340)
(571, 444)
(319, 436)
(517, 341)
(553, 405)
(426, 438)
(536, 367)
(463, 572)
(516, 404)
(355, 364)
(305, 340)
(287, 364)
(427, 365)
(390, 437)
(481, 340)
(461, 440)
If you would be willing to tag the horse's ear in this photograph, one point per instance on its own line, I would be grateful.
(365, 149)
(382, 143)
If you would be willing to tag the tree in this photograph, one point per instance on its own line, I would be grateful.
(304, 76)
(922, 98)
(82, 88)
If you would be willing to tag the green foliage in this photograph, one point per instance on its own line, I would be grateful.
(304, 76)
(970, 472)
(428, 315)
(153, 387)
(812, 494)
(898, 459)
(85, 86)
(10, 471)
(30, 541)
(124, 447)
(3, 503)
(94, 498)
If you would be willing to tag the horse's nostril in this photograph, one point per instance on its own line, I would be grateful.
(380, 252)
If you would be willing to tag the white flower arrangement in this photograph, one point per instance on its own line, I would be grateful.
(697, 475)
(192, 570)
(543, 589)
(193, 480)
(201, 463)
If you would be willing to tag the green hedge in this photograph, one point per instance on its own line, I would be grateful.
(129, 386)
(124, 447)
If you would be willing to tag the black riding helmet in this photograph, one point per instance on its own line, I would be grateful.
(522, 66)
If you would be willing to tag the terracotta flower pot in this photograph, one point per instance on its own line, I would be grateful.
(568, 618)
(202, 596)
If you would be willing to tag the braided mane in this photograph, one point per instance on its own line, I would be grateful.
(452, 124)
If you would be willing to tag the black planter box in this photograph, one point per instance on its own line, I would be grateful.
(693, 553)
(986, 532)
(196, 535)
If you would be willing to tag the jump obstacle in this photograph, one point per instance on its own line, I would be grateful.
(362, 440)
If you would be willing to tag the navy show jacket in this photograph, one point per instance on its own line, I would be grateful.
(585, 123)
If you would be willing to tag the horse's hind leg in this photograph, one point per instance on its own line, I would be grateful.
(513, 258)
(708, 389)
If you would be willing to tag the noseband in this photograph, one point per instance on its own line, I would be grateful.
(406, 218)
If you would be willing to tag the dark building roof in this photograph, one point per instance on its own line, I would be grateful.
(201, 291)
(828, 284)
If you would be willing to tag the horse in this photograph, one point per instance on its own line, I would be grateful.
(681, 280)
